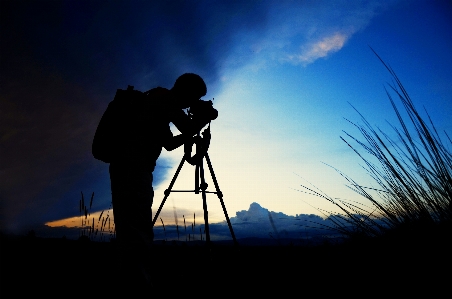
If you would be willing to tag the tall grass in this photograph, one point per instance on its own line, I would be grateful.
(413, 172)
(101, 230)
(189, 236)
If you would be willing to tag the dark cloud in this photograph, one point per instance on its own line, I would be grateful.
(43, 134)
(62, 63)
(148, 41)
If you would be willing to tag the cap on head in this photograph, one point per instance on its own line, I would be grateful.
(190, 85)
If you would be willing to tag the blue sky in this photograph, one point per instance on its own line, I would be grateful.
(283, 74)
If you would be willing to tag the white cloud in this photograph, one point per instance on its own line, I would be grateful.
(320, 48)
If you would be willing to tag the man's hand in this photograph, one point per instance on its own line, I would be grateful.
(189, 144)
(206, 134)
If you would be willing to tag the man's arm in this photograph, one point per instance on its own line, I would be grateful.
(176, 141)
(187, 126)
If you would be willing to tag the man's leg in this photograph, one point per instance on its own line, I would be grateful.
(132, 196)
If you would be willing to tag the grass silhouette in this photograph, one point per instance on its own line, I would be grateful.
(101, 230)
(413, 174)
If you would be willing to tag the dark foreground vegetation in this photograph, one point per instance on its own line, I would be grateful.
(401, 262)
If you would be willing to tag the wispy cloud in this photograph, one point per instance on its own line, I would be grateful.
(320, 48)
(301, 33)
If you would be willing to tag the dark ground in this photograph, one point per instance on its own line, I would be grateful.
(398, 264)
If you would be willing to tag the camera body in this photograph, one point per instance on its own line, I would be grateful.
(202, 111)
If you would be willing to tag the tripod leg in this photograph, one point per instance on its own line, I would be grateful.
(197, 179)
(204, 202)
(168, 191)
(220, 196)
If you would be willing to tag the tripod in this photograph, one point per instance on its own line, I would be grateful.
(200, 185)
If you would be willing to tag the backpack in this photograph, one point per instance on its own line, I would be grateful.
(111, 133)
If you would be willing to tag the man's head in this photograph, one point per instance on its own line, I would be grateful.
(189, 88)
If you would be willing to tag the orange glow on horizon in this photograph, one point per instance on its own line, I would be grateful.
(166, 215)
(81, 221)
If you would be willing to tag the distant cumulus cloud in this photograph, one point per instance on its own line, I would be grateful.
(259, 222)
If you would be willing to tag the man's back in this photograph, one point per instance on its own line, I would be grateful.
(147, 125)
(134, 127)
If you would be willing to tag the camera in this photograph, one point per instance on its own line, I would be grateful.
(202, 110)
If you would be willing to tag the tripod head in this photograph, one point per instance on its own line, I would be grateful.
(201, 113)
(202, 146)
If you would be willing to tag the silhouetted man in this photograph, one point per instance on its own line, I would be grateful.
(147, 129)
(136, 126)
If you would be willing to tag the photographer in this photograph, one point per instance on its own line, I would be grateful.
(131, 135)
